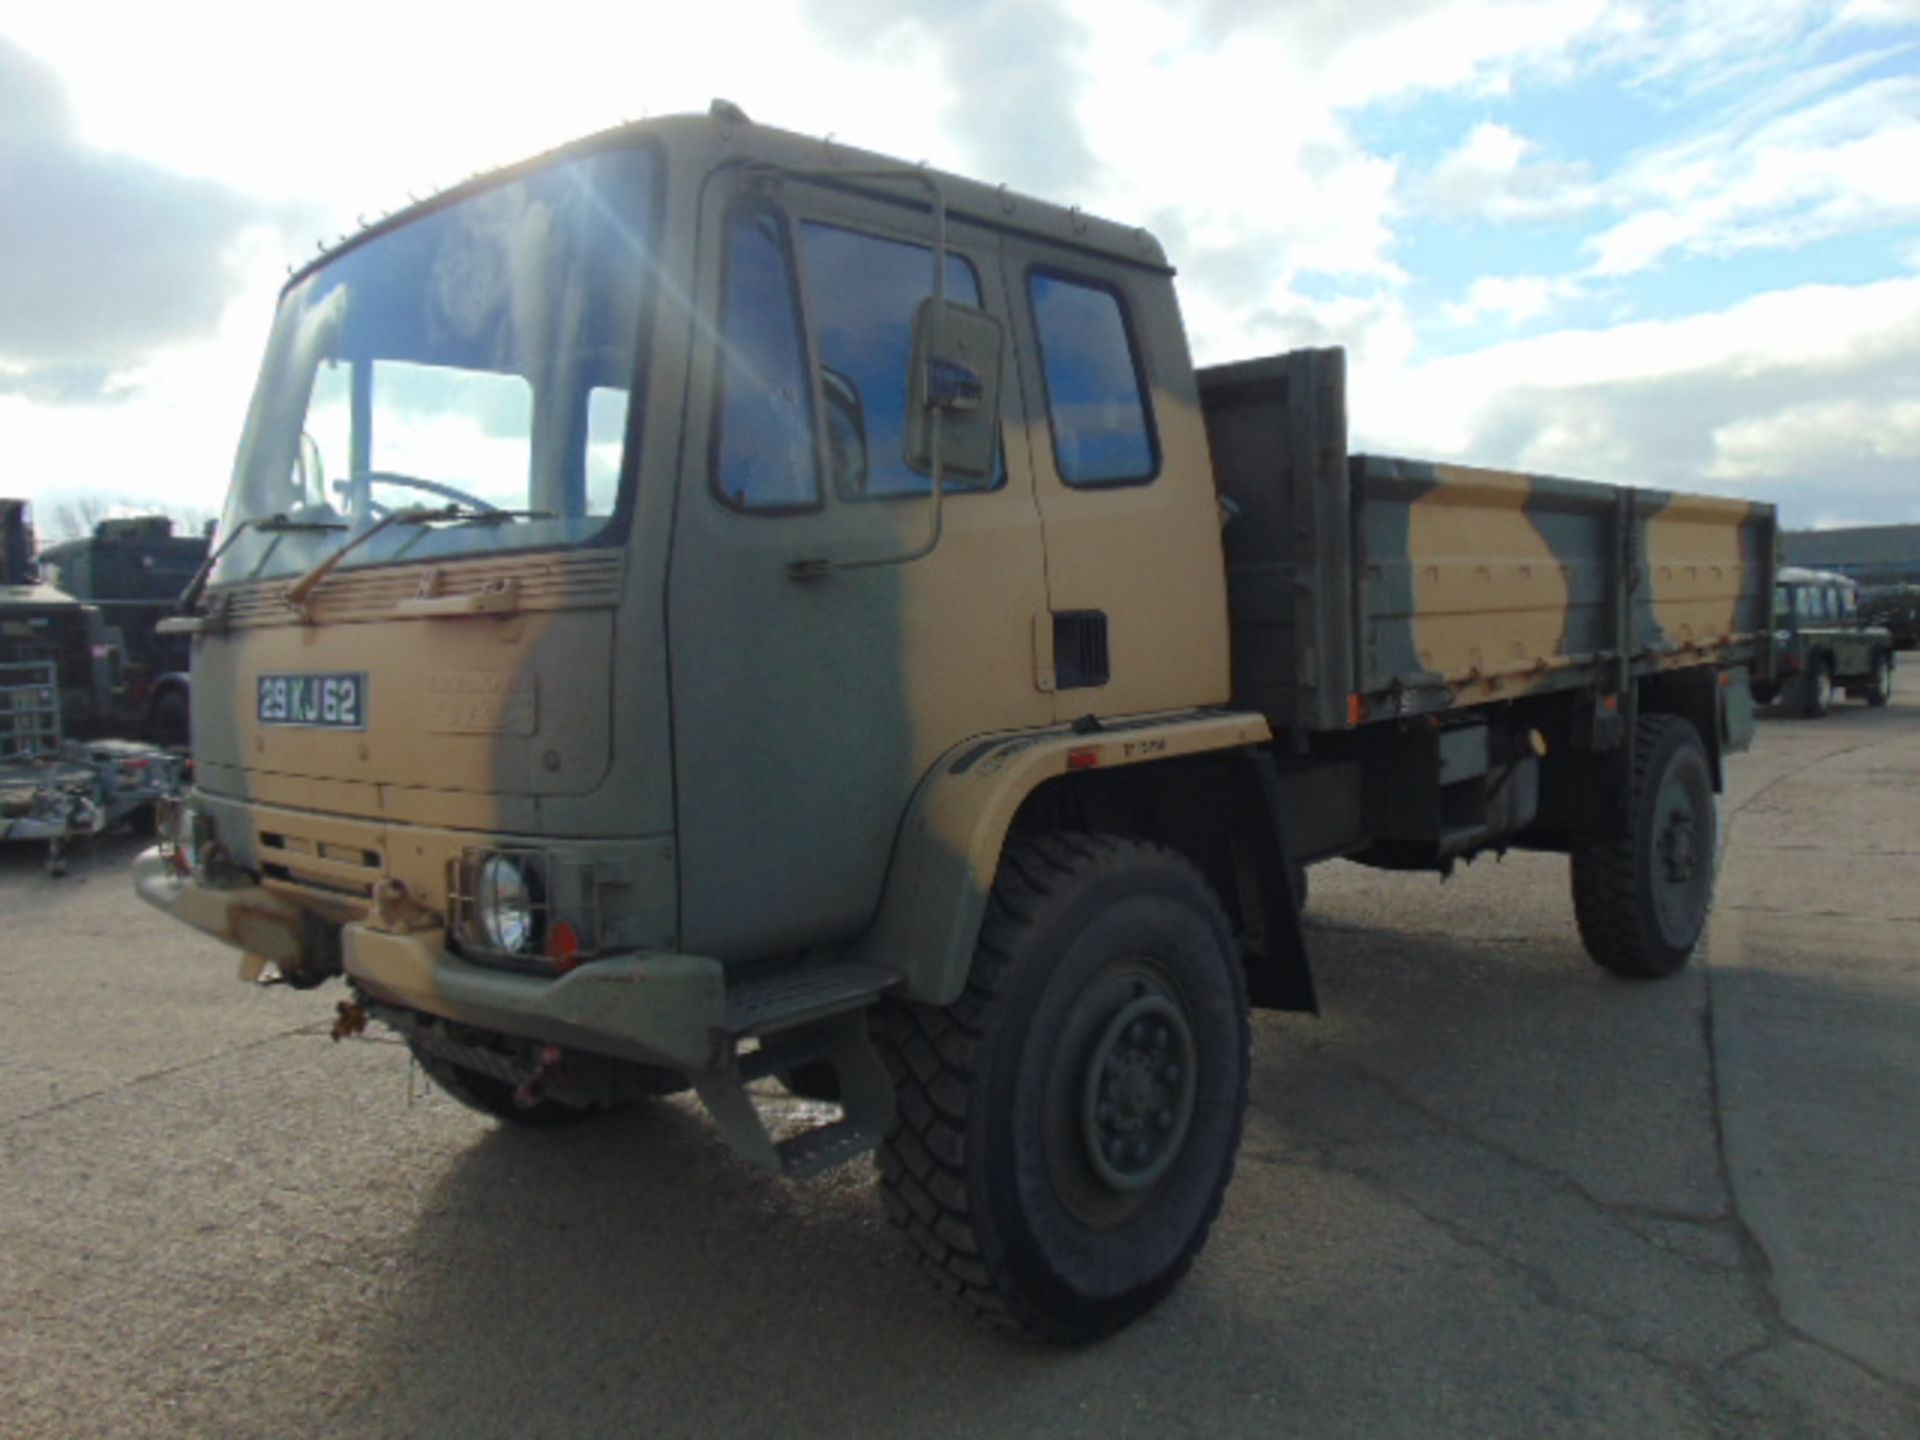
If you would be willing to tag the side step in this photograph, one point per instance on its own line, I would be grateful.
(802, 1016)
(762, 1005)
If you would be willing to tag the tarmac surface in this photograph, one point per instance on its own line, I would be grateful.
(1492, 1192)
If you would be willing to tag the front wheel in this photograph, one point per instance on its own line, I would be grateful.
(1066, 1129)
(1642, 898)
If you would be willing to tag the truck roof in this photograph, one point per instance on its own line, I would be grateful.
(993, 206)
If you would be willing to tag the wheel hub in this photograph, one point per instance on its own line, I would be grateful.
(1139, 1093)
(1678, 851)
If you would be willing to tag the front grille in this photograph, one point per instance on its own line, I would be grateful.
(347, 872)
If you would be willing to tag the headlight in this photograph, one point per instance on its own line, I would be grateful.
(508, 904)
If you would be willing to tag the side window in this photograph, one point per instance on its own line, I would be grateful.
(864, 291)
(1096, 395)
(764, 450)
(1803, 602)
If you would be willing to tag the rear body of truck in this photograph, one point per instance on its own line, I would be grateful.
(707, 605)
(1410, 623)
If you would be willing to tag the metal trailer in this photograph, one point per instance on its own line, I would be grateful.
(54, 790)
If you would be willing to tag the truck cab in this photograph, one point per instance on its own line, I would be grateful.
(1823, 644)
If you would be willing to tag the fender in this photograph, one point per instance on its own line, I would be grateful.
(949, 845)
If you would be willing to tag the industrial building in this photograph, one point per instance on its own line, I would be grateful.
(1871, 554)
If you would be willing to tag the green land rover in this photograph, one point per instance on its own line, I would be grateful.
(1824, 643)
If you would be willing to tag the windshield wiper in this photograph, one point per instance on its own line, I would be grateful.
(302, 589)
(274, 524)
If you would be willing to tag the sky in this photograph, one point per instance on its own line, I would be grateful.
(1656, 243)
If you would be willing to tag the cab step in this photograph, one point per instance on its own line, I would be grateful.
(808, 1017)
(790, 997)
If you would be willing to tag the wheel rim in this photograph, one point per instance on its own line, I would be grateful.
(1123, 1082)
(1683, 844)
(1137, 1096)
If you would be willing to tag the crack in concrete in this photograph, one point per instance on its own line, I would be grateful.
(1759, 1269)
(11, 1121)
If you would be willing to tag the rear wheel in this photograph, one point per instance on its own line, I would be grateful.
(1811, 691)
(1880, 687)
(1642, 898)
(1066, 1129)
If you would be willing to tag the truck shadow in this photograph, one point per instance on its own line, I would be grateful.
(567, 1283)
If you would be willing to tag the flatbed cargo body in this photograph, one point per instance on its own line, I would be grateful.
(1367, 587)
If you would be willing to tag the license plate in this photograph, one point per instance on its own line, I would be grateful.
(335, 701)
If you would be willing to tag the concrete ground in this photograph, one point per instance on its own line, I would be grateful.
(1492, 1192)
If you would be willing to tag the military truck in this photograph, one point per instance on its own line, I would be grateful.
(134, 570)
(1823, 643)
(707, 607)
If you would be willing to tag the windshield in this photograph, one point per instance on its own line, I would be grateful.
(480, 355)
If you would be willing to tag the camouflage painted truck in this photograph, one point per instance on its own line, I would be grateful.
(707, 606)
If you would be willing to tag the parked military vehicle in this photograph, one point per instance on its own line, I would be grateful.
(134, 570)
(1824, 643)
(1896, 608)
(62, 778)
(40, 624)
(707, 605)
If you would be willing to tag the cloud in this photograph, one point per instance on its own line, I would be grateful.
(1817, 434)
(1014, 72)
(1800, 396)
(103, 259)
(1840, 163)
(1514, 298)
(1490, 174)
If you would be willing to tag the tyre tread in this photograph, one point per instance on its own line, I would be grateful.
(1605, 875)
(934, 1053)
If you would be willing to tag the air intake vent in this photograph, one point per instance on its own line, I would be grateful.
(1080, 649)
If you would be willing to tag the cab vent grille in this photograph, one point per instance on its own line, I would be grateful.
(1080, 649)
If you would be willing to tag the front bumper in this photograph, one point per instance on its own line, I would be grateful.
(658, 1007)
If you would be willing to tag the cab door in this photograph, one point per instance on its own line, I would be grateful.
(811, 692)
(1136, 578)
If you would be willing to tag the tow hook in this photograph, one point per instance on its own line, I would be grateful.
(550, 1070)
(350, 1018)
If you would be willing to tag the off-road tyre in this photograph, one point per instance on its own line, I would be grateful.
(1636, 918)
(493, 1096)
(1036, 1163)
(1879, 687)
(1810, 693)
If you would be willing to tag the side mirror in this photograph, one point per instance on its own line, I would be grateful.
(961, 384)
